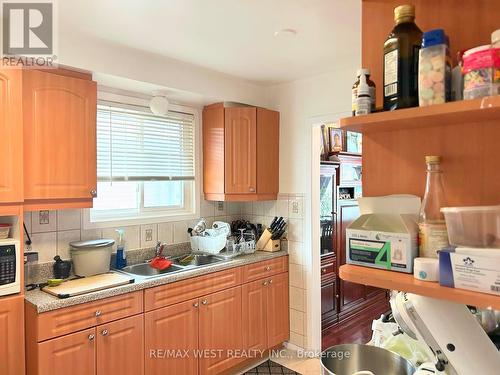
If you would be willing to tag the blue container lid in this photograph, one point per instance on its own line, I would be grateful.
(434, 37)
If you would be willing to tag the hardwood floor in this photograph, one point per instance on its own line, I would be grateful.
(350, 334)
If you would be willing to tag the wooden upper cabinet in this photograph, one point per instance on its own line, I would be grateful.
(172, 328)
(11, 136)
(220, 330)
(254, 316)
(71, 354)
(241, 150)
(59, 137)
(120, 347)
(12, 335)
(240, 153)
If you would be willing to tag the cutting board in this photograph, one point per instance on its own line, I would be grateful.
(89, 284)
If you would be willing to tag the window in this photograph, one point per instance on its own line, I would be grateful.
(145, 165)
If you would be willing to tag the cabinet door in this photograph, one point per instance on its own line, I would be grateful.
(268, 140)
(12, 335)
(169, 333)
(351, 294)
(278, 320)
(120, 347)
(59, 136)
(71, 354)
(220, 330)
(11, 133)
(240, 150)
(254, 318)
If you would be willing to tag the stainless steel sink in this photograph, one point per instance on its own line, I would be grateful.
(199, 260)
(145, 270)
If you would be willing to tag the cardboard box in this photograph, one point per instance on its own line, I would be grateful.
(385, 235)
(471, 269)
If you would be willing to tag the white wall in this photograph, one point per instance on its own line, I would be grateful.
(114, 60)
(301, 104)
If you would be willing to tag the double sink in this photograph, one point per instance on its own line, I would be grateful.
(195, 261)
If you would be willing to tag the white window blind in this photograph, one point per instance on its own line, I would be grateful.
(135, 145)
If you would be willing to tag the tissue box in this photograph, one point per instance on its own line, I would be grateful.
(385, 235)
(471, 269)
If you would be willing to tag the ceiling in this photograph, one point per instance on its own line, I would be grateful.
(235, 37)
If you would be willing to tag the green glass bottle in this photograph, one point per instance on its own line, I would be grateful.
(401, 61)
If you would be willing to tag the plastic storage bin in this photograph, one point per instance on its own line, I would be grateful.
(4, 231)
(473, 226)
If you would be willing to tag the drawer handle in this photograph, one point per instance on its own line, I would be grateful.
(104, 332)
(204, 302)
(91, 337)
(98, 313)
(195, 305)
(268, 268)
(264, 283)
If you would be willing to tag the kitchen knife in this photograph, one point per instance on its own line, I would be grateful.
(273, 222)
(278, 234)
(277, 224)
(281, 226)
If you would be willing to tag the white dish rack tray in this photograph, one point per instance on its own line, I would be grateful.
(212, 241)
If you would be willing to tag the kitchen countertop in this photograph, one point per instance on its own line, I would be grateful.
(45, 302)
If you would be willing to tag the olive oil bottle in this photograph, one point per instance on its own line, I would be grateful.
(401, 61)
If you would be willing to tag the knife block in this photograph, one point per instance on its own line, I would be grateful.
(265, 243)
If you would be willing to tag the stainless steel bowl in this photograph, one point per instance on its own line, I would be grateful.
(351, 359)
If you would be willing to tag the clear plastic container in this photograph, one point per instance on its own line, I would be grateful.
(434, 72)
(473, 226)
(481, 72)
(4, 231)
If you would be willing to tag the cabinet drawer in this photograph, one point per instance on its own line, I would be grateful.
(266, 268)
(179, 291)
(71, 319)
(328, 270)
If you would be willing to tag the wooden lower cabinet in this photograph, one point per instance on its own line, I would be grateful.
(278, 312)
(112, 348)
(12, 335)
(170, 332)
(220, 330)
(71, 354)
(120, 347)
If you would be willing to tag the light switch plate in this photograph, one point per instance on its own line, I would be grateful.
(220, 206)
(149, 235)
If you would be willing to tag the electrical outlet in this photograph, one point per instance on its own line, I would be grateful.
(43, 217)
(220, 206)
(149, 235)
(295, 207)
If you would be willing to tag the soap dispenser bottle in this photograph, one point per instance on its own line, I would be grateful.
(121, 256)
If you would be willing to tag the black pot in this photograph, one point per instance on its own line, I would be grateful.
(62, 268)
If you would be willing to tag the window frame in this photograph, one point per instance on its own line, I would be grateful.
(154, 215)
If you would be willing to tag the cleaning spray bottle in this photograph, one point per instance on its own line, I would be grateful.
(121, 257)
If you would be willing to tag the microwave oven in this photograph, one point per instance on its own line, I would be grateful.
(9, 267)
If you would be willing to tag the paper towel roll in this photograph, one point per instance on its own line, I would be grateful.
(426, 269)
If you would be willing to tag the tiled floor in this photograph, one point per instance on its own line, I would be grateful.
(270, 368)
(302, 366)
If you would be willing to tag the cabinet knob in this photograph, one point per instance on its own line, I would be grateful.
(98, 313)
(204, 302)
(270, 281)
(264, 283)
(196, 304)
(104, 332)
(268, 268)
(323, 270)
(93, 193)
(91, 337)
(337, 296)
(252, 189)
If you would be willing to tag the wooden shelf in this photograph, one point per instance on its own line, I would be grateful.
(407, 283)
(483, 109)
